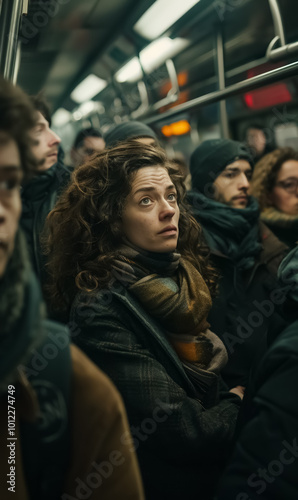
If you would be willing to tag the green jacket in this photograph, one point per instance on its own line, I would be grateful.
(181, 446)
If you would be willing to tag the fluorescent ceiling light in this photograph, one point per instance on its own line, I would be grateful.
(85, 109)
(88, 88)
(151, 58)
(130, 72)
(161, 15)
(61, 117)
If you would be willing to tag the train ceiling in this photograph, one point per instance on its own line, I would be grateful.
(64, 41)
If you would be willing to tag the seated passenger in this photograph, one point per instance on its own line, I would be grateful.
(40, 192)
(130, 130)
(61, 418)
(87, 142)
(125, 256)
(243, 250)
(275, 185)
(264, 462)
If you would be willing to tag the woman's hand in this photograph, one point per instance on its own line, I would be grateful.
(239, 390)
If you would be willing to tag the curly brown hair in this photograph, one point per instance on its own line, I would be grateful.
(265, 174)
(17, 118)
(83, 232)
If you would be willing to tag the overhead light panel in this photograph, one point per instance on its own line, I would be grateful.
(151, 57)
(88, 88)
(130, 72)
(161, 15)
(61, 117)
(85, 109)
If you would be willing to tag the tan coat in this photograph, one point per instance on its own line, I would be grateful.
(98, 422)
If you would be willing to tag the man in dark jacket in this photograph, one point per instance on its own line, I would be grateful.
(264, 463)
(40, 193)
(243, 250)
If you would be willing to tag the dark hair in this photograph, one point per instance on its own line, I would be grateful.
(265, 173)
(17, 118)
(82, 134)
(40, 104)
(84, 230)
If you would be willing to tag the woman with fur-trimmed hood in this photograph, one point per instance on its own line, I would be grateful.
(275, 185)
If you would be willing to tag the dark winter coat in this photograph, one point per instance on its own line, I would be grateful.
(39, 197)
(264, 462)
(181, 446)
(247, 303)
(66, 419)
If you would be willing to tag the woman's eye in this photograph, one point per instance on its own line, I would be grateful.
(172, 197)
(145, 201)
(8, 185)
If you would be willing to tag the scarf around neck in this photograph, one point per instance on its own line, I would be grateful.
(172, 290)
(232, 231)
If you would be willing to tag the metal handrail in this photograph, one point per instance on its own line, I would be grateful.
(277, 20)
(237, 88)
(9, 25)
(173, 94)
(273, 52)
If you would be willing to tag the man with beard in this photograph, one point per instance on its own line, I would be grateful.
(243, 249)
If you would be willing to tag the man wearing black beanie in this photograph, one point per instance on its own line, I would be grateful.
(243, 250)
(130, 130)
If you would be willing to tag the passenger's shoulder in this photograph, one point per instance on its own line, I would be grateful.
(91, 386)
(274, 250)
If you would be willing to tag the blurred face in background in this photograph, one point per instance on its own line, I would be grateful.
(151, 214)
(256, 140)
(284, 195)
(47, 143)
(231, 186)
(90, 146)
(10, 199)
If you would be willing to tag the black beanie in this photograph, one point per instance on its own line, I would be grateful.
(211, 158)
(127, 130)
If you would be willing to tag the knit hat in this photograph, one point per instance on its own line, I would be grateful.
(210, 158)
(127, 130)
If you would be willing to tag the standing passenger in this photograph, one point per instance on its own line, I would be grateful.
(275, 185)
(130, 130)
(61, 419)
(40, 193)
(125, 256)
(264, 462)
(245, 252)
(87, 142)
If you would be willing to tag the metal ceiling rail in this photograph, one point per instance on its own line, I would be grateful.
(235, 89)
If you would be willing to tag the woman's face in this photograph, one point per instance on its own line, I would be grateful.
(284, 195)
(151, 214)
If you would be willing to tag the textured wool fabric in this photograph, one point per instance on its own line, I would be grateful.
(181, 304)
(210, 158)
(232, 231)
(127, 130)
(288, 273)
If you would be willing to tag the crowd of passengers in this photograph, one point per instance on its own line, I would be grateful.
(149, 333)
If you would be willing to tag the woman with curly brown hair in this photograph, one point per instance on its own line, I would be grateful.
(275, 185)
(125, 257)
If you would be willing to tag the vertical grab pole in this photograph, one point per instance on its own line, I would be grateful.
(9, 26)
(224, 122)
(277, 20)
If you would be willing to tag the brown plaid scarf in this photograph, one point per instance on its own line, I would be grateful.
(174, 292)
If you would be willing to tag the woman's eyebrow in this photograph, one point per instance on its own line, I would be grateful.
(151, 188)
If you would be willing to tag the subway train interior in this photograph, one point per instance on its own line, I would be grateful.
(192, 70)
(134, 323)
